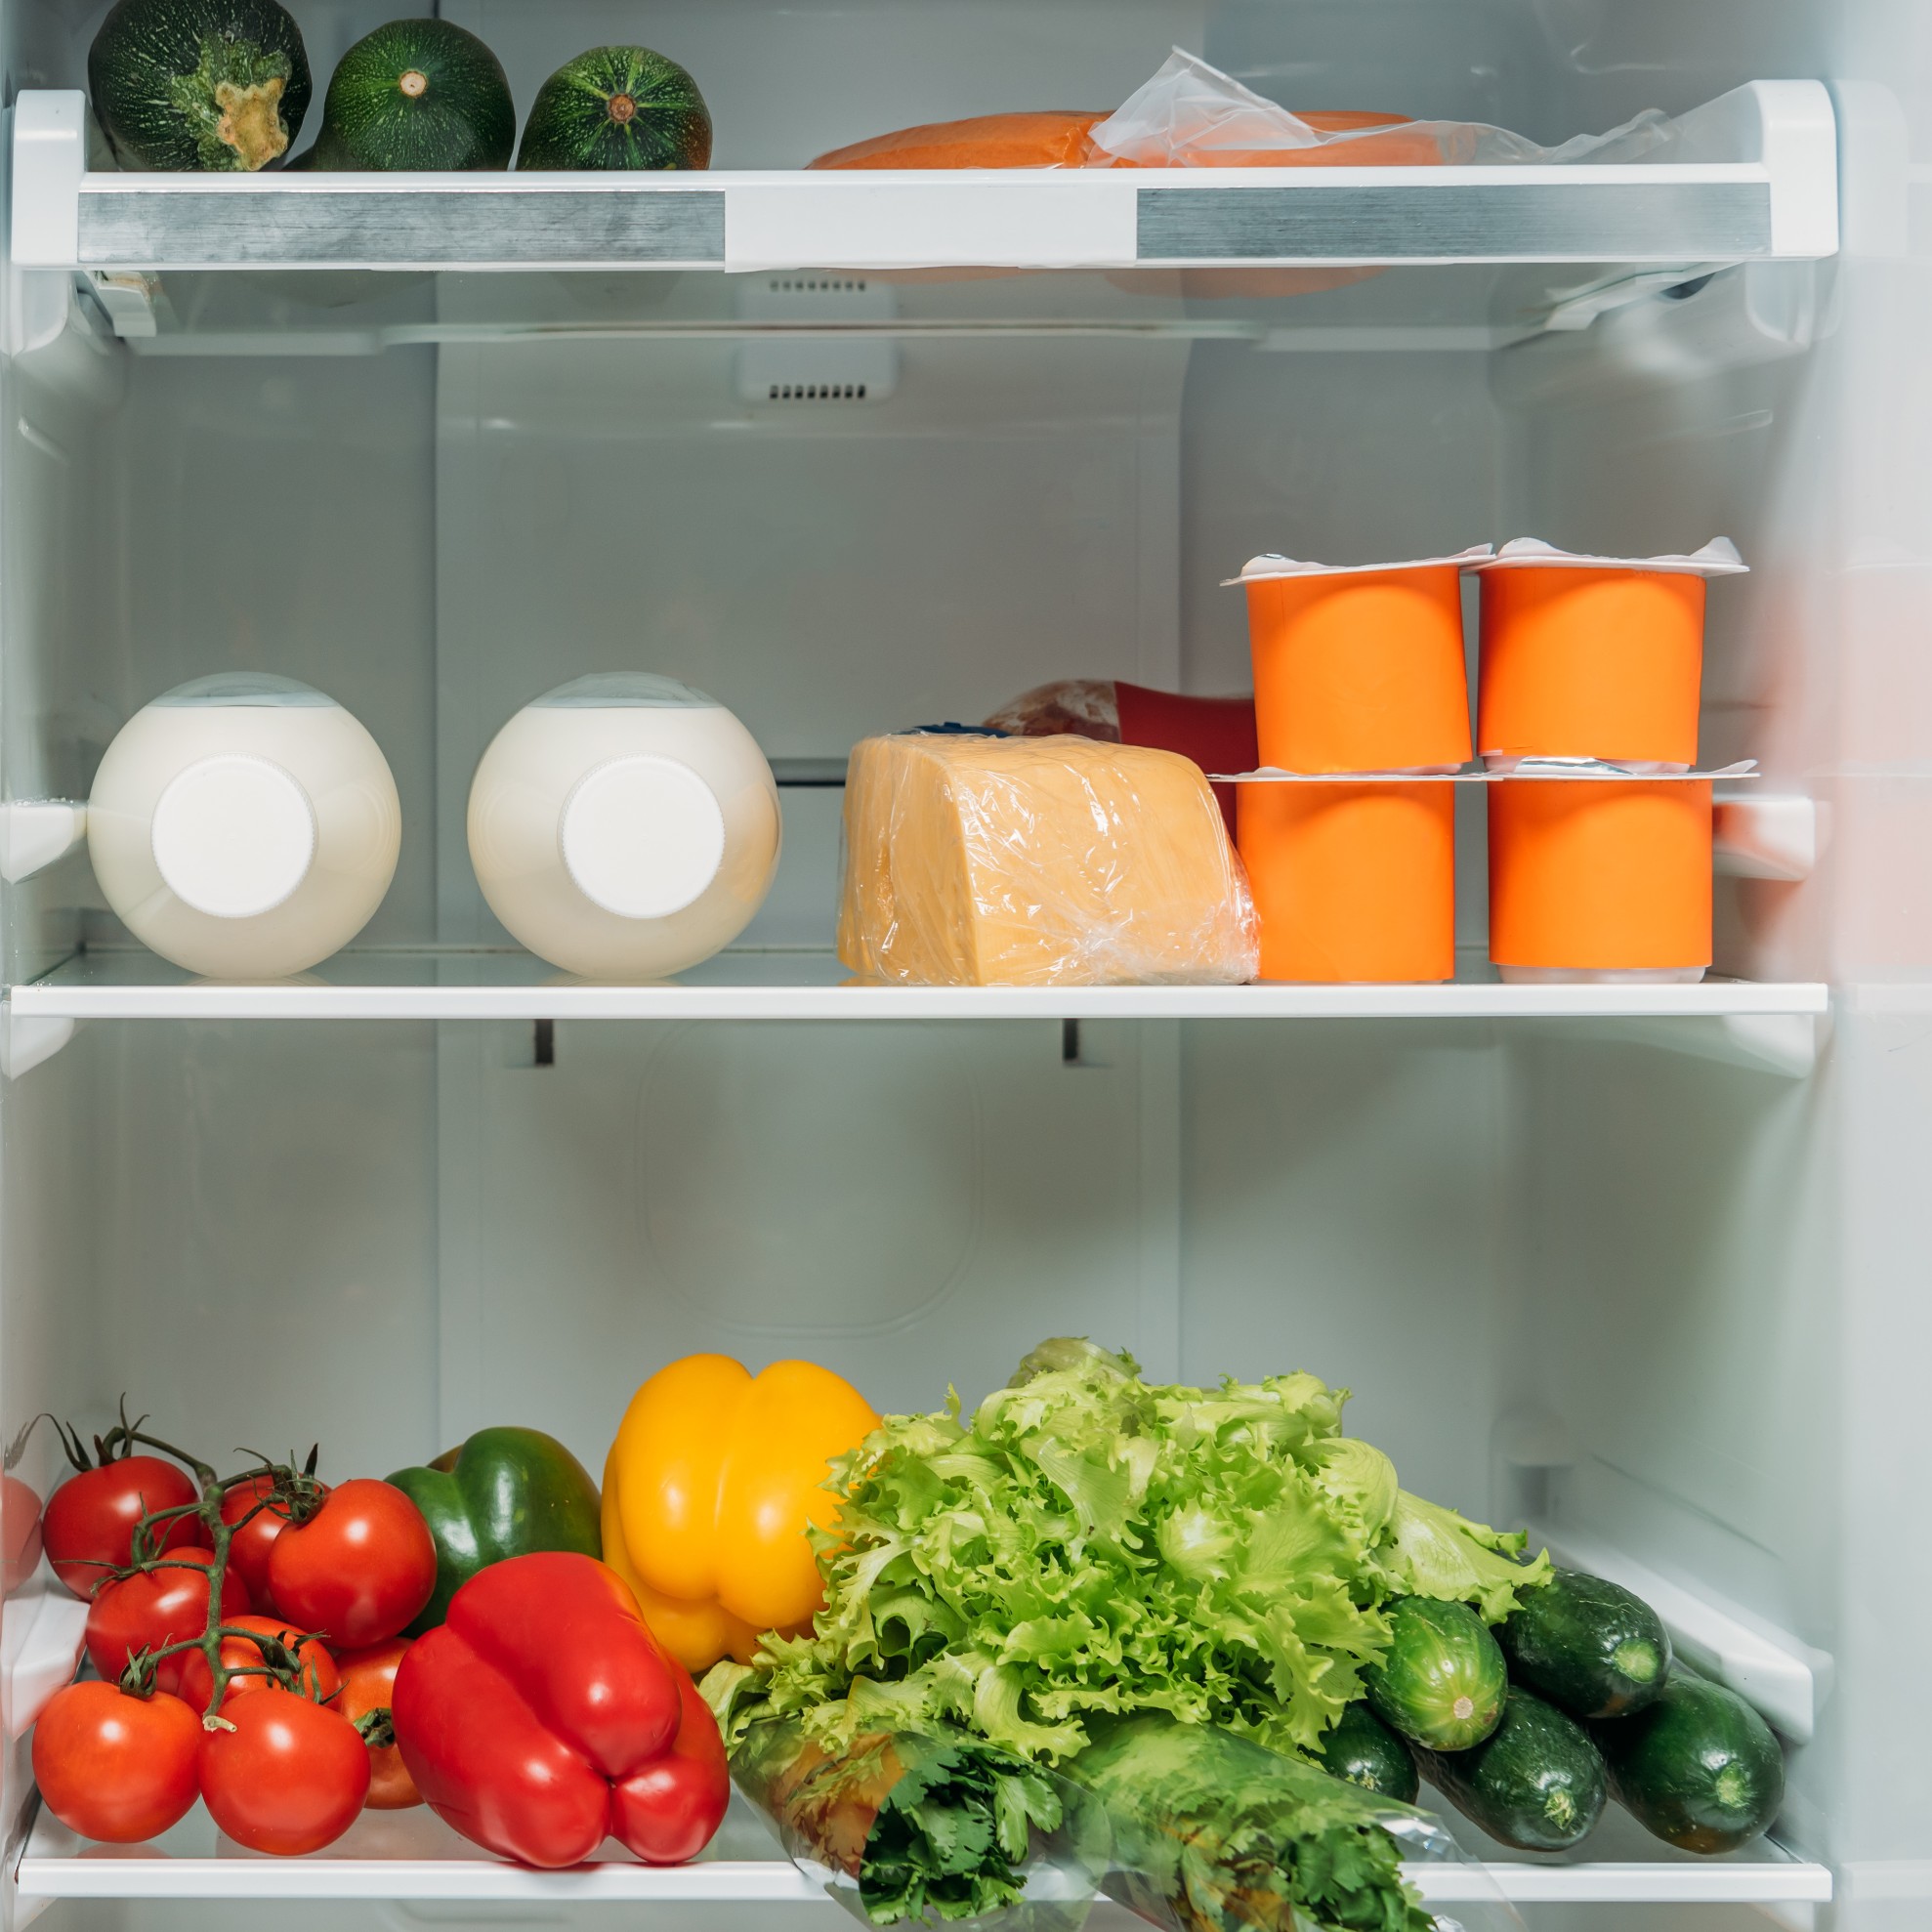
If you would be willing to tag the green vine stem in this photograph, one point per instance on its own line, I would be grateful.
(296, 1491)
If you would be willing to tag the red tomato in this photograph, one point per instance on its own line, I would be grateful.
(19, 1531)
(249, 1546)
(358, 1570)
(368, 1683)
(89, 1526)
(319, 1677)
(288, 1777)
(156, 1607)
(116, 1767)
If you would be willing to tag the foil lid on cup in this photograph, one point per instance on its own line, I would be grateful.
(1271, 565)
(1718, 557)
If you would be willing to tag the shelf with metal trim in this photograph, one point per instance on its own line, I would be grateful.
(1752, 176)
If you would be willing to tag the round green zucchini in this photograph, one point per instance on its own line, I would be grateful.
(1696, 1767)
(617, 108)
(1363, 1751)
(1588, 1645)
(1442, 1683)
(1536, 1781)
(198, 86)
(418, 94)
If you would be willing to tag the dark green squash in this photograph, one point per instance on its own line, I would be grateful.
(1588, 1645)
(418, 94)
(1535, 1781)
(198, 86)
(1362, 1749)
(1441, 1681)
(617, 108)
(1697, 1766)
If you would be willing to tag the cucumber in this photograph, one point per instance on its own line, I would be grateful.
(1536, 1781)
(1588, 1645)
(1364, 1752)
(1442, 1682)
(617, 108)
(198, 86)
(418, 94)
(1696, 1767)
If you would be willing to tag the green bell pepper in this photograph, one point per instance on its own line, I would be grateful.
(503, 1492)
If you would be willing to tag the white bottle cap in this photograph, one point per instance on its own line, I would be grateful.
(233, 836)
(642, 836)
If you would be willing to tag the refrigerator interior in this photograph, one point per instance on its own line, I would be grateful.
(1579, 1279)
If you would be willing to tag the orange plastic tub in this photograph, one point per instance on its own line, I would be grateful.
(1352, 882)
(1592, 878)
(1359, 670)
(1597, 658)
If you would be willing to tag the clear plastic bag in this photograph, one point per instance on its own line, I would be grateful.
(1214, 1834)
(911, 1828)
(973, 860)
(1191, 115)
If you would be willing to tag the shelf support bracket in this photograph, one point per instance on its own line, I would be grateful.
(35, 832)
(30, 1040)
(1786, 1044)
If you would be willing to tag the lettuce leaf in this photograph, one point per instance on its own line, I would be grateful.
(1090, 1544)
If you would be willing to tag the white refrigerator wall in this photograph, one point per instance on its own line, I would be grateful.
(1676, 1304)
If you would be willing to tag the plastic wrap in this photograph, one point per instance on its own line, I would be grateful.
(1191, 115)
(982, 861)
(1214, 1834)
(911, 1828)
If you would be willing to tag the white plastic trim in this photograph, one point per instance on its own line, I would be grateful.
(41, 1638)
(1783, 1676)
(28, 1039)
(1765, 836)
(50, 162)
(1785, 1043)
(35, 832)
(808, 987)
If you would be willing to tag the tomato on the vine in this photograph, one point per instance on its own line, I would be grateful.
(356, 1571)
(285, 1776)
(152, 1608)
(320, 1680)
(90, 1519)
(113, 1766)
(368, 1683)
(249, 1546)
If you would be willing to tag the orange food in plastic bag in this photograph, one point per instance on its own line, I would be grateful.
(1053, 139)
(1058, 137)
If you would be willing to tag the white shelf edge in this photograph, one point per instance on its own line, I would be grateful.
(39, 1876)
(1775, 139)
(1783, 1676)
(49, 999)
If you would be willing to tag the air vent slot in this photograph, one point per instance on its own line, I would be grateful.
(822, 337)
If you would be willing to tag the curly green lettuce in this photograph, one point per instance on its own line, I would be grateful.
(1089, 1545)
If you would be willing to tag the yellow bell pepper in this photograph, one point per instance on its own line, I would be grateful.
(708, 1490)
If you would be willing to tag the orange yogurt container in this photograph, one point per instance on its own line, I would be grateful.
(1358, 669)
(1593, 656)
(1600, 879)
(1352, 882)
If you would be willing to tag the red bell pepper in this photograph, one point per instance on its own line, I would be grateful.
(543, 1716)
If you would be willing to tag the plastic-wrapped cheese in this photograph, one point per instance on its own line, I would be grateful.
(981, 861)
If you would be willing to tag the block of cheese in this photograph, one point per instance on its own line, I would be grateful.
(980, 861)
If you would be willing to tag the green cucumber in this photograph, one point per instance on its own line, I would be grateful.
(1696, 1767)
(1442, 1683)
(1588, 1645)
(1536, 1781)
(1363, 1751)
(617, 108)
(419, 94)
(198, 86)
